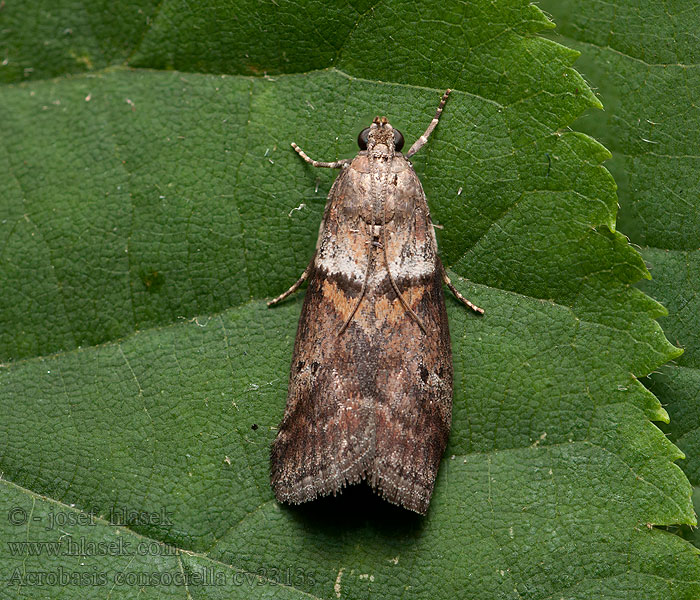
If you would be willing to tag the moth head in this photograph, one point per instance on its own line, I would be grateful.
(380, 132)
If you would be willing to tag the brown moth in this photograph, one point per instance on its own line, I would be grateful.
(370, 388)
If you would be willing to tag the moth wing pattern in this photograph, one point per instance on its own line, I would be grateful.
(373, 402)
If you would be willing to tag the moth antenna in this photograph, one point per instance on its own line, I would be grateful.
(362, 291)
(409, 310)
(433, 124)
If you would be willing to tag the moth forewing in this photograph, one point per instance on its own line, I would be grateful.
(370, 388)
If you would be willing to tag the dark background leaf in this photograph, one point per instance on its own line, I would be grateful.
(643, 60)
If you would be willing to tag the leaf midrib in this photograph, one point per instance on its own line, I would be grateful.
(218, 315)
(105, 522)
(205, 555)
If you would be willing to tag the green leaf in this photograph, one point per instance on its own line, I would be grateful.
(643, 60)
(147, 215)
(42, 38)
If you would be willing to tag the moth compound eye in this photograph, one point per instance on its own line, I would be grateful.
(398, 140)
(362, 138)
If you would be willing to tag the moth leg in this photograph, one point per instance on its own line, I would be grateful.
(294, 287)
(433, 124)
(459, 296)
(338, 164)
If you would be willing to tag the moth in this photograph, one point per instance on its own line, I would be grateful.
(370, 388)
